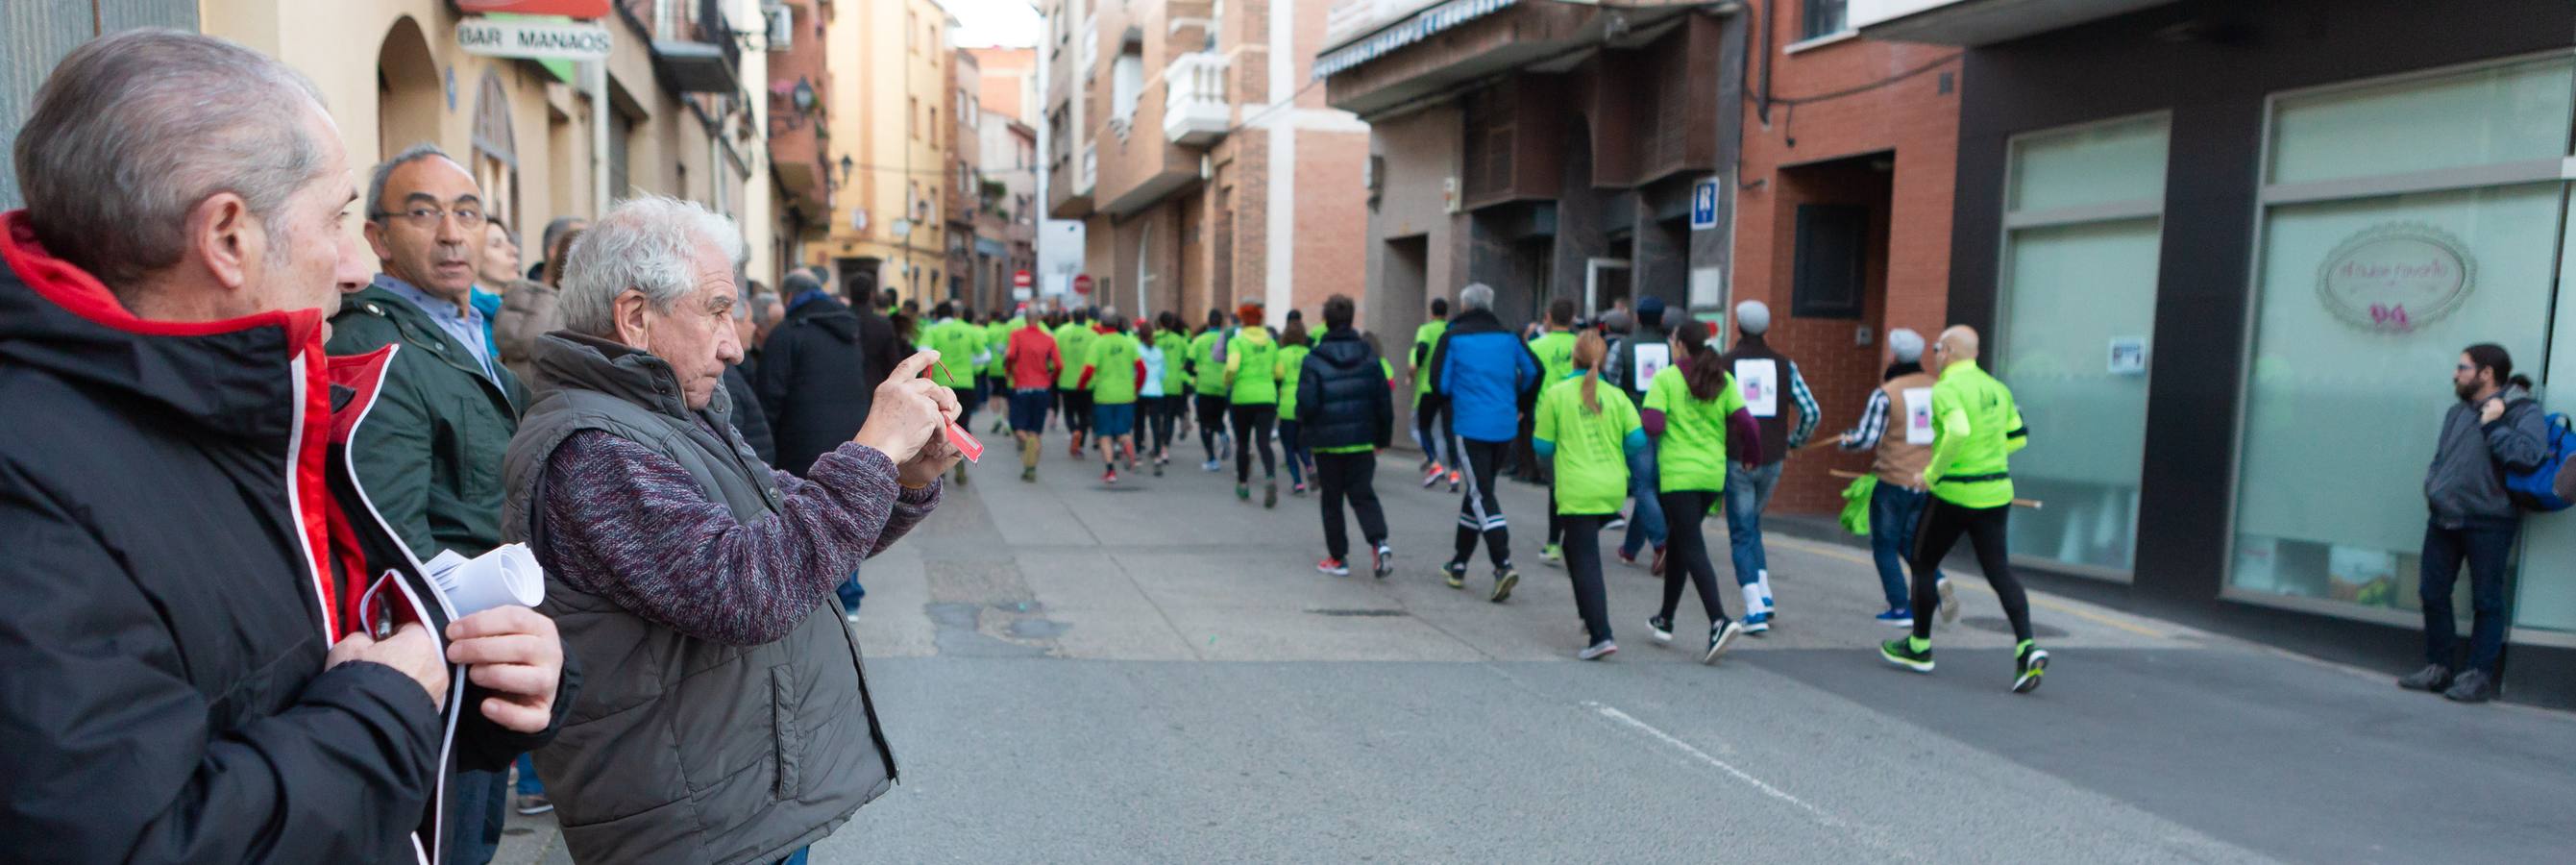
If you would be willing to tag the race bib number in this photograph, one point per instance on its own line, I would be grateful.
(1918, 415)
(1759, 380)
(1651, 358)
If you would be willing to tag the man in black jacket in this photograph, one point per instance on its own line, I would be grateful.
(814, 374)
(197, 672)
(1347, 409)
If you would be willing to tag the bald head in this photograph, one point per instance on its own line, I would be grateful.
(1957, 343)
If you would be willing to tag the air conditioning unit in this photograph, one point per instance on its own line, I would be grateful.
(782, 26)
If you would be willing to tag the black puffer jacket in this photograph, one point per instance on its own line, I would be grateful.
(748, 417)
(1342, 394)
(183, 542)
(813, 381)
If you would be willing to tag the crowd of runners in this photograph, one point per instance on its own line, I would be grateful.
(1636, 425)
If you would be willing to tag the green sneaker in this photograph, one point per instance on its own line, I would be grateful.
(1457, 573)
(1504, 579)
(1242, 493)
(1029, 475)
(1901, 652)
(2029, 663)
(1552, 555)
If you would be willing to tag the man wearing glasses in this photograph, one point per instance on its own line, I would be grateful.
(429, 454)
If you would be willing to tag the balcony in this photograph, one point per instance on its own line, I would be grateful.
(1972, 23)
(1196, 111)
(693, 45)
(799, 127)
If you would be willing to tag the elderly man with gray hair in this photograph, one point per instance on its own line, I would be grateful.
(1487, 378)
(704, 574)
(1897, 427)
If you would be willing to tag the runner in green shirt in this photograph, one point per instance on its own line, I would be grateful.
(1588, 431)
(997, 375)
(1250, 354)
(1293, 347)
(1976, 427)
(1167, 409)
(1073, 338)
(1425, 411)
(962, 354)
(1555, 348)
(1112, 373)
(1208, 378)
(1691, 408)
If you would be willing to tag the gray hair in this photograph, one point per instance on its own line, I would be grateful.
(649, 244)
(760, 304)
(134, 129)
(798, 282)
(1476, 296)
(555, 229)
(385, 171)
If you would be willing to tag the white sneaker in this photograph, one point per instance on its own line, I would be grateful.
(1598, 651)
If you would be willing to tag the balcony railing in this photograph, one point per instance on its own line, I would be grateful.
(693, 44)
(1196, 111)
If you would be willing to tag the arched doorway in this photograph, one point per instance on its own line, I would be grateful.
(407, 90)
(496, 161)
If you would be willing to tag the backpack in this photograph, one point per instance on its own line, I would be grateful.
(2548, 486)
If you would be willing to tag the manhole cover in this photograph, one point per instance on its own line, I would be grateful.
(1379, 613)
(1999, 625)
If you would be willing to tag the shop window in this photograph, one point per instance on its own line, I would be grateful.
(2083, 232)
(1827, 276)
(2401, 222)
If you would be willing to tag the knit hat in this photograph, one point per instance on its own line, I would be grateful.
(1907, 345)
(1650, 311)
(1753, 317)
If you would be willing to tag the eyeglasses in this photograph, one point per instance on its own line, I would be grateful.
(427, 218)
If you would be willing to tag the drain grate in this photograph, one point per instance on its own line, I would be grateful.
(1999, 625)
(1360, 613)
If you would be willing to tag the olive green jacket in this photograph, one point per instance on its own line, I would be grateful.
(429, 455)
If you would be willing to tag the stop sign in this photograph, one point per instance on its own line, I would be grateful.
(1082, 283)
(1020, 279)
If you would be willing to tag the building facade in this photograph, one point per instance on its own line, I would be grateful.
(891, 126)
(1549, 150)
(2229, 277)
(1203, 166)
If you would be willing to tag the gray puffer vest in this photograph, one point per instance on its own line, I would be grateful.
(683, 750)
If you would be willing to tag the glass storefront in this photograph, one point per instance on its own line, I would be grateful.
(2402, 222)
(2083, 229)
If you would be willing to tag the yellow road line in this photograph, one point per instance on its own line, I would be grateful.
(1838, 552)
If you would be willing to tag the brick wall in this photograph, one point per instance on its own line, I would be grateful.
(1908, 120)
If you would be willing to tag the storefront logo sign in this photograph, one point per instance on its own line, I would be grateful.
(538, 40)
(2396, 277)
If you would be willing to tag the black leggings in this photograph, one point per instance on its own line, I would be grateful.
(1252, 429)
(1437, 447)
(1583, 566)
(1479, 512)
(1160, 413)
(1686, 554)
(1211, 421)
(1077, 409)
(1942, 525)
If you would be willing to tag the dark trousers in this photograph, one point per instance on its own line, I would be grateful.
(1160, 414)
(1479, 512)
(1252, 430)
(1352, 477)
(474, 816)
(1686, 554)
(1943, 523)
(967, 399)
(1894, 513)
(1076, 403)
(1211, 422)
(1583, 566)
(1437, 446)
(1293, 450)
(2487, 546)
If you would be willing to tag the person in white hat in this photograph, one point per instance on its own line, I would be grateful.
(1764, 375)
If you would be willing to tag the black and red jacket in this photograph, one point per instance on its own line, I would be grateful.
(180, 544)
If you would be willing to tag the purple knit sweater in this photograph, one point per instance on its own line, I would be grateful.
(632, 526)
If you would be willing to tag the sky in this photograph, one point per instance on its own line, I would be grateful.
(1008, 23)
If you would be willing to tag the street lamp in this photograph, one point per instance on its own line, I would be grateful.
(845, 169)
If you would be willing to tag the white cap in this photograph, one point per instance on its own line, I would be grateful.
(1753, 317)
(1907, 345)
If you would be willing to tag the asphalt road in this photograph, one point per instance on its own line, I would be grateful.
(1152, 672)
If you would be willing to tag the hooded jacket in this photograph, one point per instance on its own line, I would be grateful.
(814, 380)
(2466, 479)
(1342, 397)
(185, 540)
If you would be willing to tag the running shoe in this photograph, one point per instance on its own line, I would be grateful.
(1552, 555)
(534, 804)
(1211, 466)
(1504, 579)
(1029, 475)
(1385, 561)
(1109, 476)
(1899, 617)
(1719, 637)
(1949, 602)
(1662, 627)
(1158, 469)
(961, 473)
(1433, 476)
(1901, 652)
(2470, 686)
(1615, 524)
(1270, 494)
(2434, 677)
(1757, 623)
(1598, 651)
(1657, 568)
(1457, 574)
(1299, 490)
(1453, 487)
(1242, 492)
(1626, 558)
(1334, 567)
(2029, 663)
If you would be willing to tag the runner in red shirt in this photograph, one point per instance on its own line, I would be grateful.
(1033, 363)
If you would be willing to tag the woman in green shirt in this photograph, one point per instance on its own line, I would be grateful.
(1589, 431)
(1293, 347)
(1691, 407)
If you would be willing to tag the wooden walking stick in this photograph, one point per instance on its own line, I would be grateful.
(2033, 504)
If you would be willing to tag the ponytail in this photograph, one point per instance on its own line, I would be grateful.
(1588, 352)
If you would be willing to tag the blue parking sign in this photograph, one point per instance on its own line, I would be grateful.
(1704, 205)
